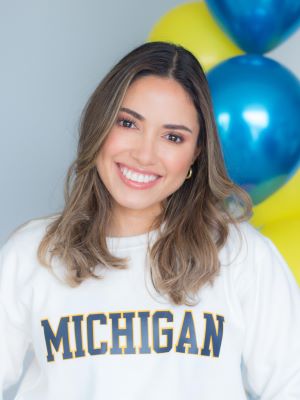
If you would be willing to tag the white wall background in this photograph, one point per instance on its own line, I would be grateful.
(53, 54)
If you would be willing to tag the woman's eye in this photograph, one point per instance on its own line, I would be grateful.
(125, 122)
(175, 138)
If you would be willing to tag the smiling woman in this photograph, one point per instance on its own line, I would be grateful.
(147, 149)
(161, 86)
(150, 283)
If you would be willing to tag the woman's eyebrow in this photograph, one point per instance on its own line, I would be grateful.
(141, 118)
(181, 127)
(133, 113)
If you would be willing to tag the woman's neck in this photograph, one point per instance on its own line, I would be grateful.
(131, 224)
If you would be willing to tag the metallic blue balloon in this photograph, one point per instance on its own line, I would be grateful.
(257, 109)
(257, 26)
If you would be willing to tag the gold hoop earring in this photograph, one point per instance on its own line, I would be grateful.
(189, 174)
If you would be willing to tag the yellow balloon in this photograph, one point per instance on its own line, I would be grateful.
(192, 26)
(286, 236)
(283, 204)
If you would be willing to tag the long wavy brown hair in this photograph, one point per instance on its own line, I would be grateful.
(195, 218)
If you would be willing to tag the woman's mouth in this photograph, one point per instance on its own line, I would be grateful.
(136, 180)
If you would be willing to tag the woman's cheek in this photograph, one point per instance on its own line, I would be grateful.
(177, 158)
(116, 140)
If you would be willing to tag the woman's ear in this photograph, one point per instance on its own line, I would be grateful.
(196, 153)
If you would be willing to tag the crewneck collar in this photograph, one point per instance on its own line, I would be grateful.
(126, 242)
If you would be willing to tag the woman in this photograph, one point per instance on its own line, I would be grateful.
(150, 283)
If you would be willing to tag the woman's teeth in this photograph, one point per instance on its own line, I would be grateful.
(136, 177)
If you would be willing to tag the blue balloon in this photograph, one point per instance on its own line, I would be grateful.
(257, 109)
(256, 26)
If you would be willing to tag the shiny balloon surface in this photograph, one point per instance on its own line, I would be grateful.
(256, 26)
(257, 109)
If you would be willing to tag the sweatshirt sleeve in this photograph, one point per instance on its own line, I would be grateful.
(271, 309)
(14, 321)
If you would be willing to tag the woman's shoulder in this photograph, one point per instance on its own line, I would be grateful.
(243, 242)
(19, 265)
(18, 255)
(28, 235)
(249, 256)
(248, 232)
(248, 253)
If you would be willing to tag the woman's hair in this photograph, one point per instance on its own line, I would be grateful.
(195, 218)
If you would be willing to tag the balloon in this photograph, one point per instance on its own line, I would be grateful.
(257, 109)
(191, 26)
(283, 204)
(286, 236)
(257, 26)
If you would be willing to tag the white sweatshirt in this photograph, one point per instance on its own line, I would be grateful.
(116, 338)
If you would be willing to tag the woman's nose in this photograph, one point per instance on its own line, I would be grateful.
(145, 150)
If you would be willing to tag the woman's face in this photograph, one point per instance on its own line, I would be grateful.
(152, 142)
